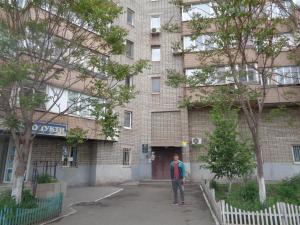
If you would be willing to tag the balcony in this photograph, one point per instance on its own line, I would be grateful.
(274, 95)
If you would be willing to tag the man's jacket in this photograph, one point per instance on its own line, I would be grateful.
(181, 168)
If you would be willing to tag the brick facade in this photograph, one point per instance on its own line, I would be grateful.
(156, 118)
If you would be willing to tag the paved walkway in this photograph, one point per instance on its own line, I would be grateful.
(143, 205)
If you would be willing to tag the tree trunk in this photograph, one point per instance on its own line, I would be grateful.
(230, 186)
(260, 171)
(18, 178)
(23, 148)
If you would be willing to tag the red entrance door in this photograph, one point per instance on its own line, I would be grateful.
(161, 163)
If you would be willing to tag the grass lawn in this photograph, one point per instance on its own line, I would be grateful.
(245, 195)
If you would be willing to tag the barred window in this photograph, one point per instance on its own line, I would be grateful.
(296, 153)
(126, 157)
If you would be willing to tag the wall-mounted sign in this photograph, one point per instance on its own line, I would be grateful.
(42, 128)
(50, 129)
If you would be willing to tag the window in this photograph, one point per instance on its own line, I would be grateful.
(28, 91)
(18, 3)
(296, 153)
(129, 81)
(76, 103)
(223, 75)
(81, 105)
(155, 53)
(155, 22)
(201, 43)
(129, 49)
(248, 73)
(127, 119)
(204, 9)
(155, 84)
(130, 17)
(126, 157)
(69, 156)
(287, 75)
(273, 10)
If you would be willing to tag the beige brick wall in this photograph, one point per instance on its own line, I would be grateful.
(166, 129)
(50, 149)
(277, 135)
(146, 103)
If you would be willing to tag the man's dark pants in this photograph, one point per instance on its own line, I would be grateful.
(177, 184)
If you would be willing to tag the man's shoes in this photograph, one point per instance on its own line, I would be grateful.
(175, 203)
(182, 203)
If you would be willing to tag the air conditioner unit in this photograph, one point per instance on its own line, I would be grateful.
(196, 141)
(155, 30)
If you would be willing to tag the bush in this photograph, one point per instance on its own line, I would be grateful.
(289, 190)
(246, 196)
(214, 185)
(45, 178)
(28, 200)
(249, 192)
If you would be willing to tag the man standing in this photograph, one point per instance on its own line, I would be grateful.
(177, 170)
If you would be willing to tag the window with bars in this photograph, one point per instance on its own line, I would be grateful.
(296, 153)
(126, 157)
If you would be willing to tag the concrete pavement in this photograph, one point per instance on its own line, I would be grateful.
(83, 195)
(143, 205)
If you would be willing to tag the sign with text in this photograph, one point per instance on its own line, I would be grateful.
(50, 129)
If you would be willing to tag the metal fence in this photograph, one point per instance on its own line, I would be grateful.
(40, 168)
(46, 209)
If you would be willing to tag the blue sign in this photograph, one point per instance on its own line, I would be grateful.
(50, 129)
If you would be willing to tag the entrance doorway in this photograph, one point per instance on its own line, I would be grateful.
(162, 160)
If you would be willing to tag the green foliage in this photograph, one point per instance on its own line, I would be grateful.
(76, 136)
(109, 121)
(228, 156)
(288, 190)
(245, 196)
(28, 200)
(45, 179)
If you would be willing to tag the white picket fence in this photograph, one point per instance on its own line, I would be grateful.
(279, 214)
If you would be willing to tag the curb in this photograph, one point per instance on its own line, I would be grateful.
(74, 211)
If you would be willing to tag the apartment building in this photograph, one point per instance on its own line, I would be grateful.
(152, 126)
(158, 128)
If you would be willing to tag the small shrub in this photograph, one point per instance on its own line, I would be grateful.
(45, 178)
(28, 200)
(249, 192)
(214, 185)
(289, 190)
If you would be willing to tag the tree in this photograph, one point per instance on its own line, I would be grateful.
(228, 156)
(244, 36)
(63, 43)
